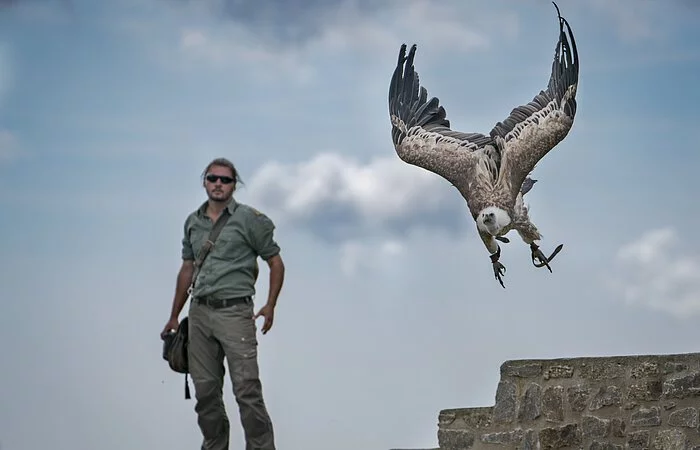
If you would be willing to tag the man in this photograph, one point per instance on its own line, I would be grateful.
(221, 317)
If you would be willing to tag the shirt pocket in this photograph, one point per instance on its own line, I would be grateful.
(232, 244)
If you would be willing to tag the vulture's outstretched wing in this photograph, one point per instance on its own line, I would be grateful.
(532, 130)
(421, 133)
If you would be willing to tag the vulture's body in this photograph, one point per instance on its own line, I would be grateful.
(490, 171)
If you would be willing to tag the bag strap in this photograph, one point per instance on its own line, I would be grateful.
(208, 245)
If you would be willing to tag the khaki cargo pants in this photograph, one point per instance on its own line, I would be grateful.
(230, 332)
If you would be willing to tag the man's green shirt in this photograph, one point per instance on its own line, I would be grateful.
(231, 267)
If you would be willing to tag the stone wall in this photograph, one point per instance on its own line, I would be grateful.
(627, 402)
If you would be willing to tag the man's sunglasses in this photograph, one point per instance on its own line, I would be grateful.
(224, 179)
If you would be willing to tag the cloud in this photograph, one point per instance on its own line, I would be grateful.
(357, 256)
(342, 33)
(289, 23)
(652, 273)
(339, 198)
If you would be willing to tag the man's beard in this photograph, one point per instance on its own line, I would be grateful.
(217, 196)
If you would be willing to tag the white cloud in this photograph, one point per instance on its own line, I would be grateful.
(236, 45)
(335, 194)
(654, 274)
(358, 256)
(203, 39)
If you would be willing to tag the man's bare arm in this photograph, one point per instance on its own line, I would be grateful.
(184, 279)
(276, 279)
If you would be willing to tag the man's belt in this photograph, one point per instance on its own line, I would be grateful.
(217, 303)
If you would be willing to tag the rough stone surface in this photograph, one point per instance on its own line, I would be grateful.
(504, 411)
(646, 391)
(686, 417)
(593, 427)
(682, 387)
(597, 445)
(606, 396)
(674, 367)
(531, 406)
(639, 440)
(645, 369)
(503, 437)
(524, 370)
(578, 397)
(531, 441)
(560, 437)
(559, 372)
(618, 427)
(626, 402)
(598, 371)
(670, 440)
(646, 417)
(455, 439)
(553, 403)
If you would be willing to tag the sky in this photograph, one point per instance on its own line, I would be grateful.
(109, 112)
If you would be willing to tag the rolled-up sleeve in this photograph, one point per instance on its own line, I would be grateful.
(187, 252)
(261, 230)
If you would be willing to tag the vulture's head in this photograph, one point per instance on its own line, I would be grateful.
(492, 220)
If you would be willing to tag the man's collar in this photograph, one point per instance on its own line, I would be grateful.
(231, 206)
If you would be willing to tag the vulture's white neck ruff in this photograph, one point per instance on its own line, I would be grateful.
(492, 220)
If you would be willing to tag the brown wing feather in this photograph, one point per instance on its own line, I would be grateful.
(532, 130)
(421, 132)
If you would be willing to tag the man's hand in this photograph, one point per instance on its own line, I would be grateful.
(267, 311)
(171, 325)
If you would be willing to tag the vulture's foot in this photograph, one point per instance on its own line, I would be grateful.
(538, 258)
(498, 269)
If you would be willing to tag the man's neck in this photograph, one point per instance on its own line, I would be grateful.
(215, 208)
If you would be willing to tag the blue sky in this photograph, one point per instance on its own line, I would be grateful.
(110, 110)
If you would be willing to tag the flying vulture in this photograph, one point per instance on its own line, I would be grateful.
(491, 172)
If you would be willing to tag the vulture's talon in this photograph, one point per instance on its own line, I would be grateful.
(499, 270)
(537, 255)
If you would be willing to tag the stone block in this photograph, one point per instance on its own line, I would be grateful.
(670, 440)
(594, 427)
(639, 440)
(597, 445)
(531, 441)
(559, 371)
(686, 417)
(682, 387)
(606, 396)
(560, 437)
(646, 391)
(578, 397)
(602, 370)
(646, 417)
(531, 404)
(618, 427)
(455, 439)
(477, 418)
(503, 437)
(522, 370)
(674, 367)
(553, 403)
(645, 369)
(506, 399)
